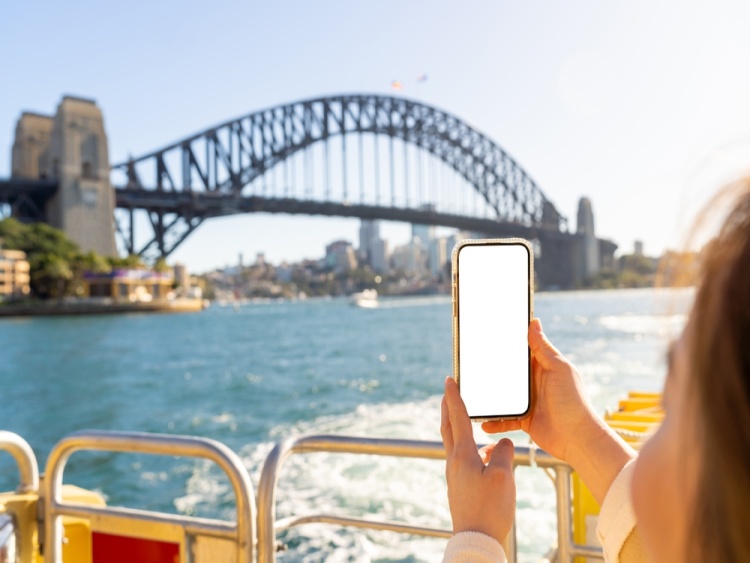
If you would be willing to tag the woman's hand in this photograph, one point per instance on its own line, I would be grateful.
(560, 414)
(562, 421)
(481, 488)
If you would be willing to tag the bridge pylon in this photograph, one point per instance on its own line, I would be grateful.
(69, 149)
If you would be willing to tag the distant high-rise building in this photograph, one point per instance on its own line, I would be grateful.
(424, 233)
(453, 240)
(590, 264)
(379, 256)
(585, 217)
(638, 248)
(410, 258)
(438, 256)
(369, 231)
(373, 250)
(340, 256)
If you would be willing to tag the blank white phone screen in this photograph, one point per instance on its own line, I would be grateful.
(493, 320)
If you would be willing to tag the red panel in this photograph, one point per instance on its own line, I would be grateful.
(108, 548)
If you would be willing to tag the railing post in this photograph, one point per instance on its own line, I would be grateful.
(267, 501)
(564, 518)
(509, 545)
(25, 460)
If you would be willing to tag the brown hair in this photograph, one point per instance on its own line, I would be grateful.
(719, 364)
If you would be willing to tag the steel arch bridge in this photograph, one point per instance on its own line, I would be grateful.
(392, 158)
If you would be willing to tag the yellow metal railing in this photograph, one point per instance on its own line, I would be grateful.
(242, 533)
(268, 526)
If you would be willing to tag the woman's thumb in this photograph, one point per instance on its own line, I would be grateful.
(502, 455)
(542, 349)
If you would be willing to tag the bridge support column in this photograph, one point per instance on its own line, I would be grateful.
(557, 265)
(71, 147)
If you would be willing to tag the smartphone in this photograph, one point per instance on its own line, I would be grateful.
(492, 309)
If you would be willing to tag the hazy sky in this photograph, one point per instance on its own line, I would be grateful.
(642, 106)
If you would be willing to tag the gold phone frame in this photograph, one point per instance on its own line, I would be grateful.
(454, 298)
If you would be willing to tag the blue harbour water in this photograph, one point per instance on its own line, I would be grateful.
(251, 376)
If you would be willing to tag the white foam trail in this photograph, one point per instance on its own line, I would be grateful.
(376, 487)
(658, 325)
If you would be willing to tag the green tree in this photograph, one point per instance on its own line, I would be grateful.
(130, 261)
(57, 264)
(52, 256)
(161, 265)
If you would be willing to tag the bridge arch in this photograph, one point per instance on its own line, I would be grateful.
(219, 162)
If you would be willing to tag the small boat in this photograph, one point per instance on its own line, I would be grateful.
(367, 299)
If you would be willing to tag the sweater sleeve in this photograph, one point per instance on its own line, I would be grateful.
(616, 527)
(473, 547)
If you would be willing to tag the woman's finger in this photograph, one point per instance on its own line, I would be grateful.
(502, 455)
(460, 424)
(500, 426)
(445, 428)
(542, 349)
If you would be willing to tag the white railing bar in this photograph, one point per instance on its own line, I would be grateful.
(25, 460)
(286, 523)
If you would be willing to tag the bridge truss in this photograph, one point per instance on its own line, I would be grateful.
(364, 156)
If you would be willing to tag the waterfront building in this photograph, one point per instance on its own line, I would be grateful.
(181, 277)
(14, 273)
(129, 285)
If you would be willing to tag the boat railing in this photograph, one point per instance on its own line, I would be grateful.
(239, 540)
(28, 471)
(268, 526)
(182, 530)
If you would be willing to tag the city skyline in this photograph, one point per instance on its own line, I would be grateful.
(383, 262)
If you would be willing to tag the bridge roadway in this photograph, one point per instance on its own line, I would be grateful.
(207, 205)
(28, 198)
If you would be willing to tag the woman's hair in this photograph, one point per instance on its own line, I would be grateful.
(719, 365)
